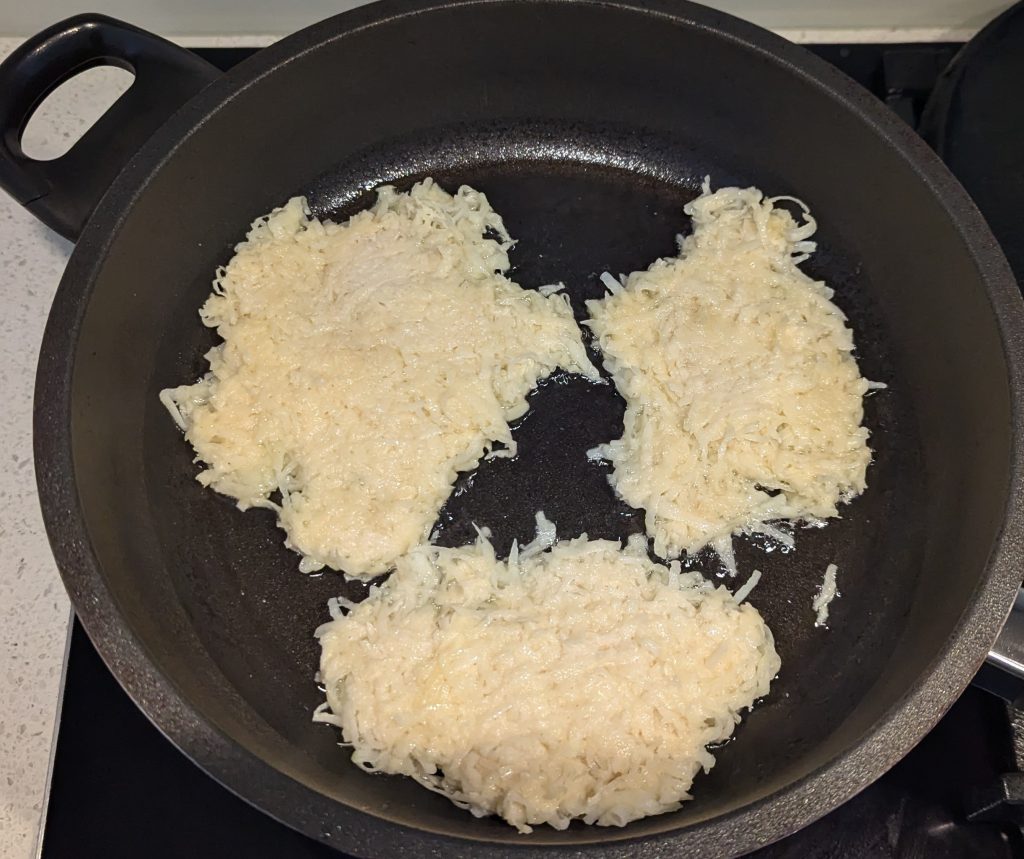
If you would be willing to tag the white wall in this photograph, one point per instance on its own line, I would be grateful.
(278, 17)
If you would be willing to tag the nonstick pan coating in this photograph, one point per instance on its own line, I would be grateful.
(588, 126)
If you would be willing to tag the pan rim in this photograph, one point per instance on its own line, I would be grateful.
(272, 790)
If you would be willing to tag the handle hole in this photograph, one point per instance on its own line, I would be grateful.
(69, 111)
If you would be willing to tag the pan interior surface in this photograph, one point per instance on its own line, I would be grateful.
(590, 167)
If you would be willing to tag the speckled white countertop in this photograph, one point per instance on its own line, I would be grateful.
(33, 605)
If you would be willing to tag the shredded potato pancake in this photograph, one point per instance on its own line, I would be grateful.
(581, 682)
(364, 364)
(743, 400)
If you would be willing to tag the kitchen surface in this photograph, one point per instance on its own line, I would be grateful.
(35, 632)
(34, 607)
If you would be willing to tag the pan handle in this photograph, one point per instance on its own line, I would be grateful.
(63, 192)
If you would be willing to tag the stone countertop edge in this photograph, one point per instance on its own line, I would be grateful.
(33, 605)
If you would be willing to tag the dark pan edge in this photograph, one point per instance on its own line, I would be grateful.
(292, 803)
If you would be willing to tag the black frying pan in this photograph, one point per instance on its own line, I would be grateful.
(588, 125)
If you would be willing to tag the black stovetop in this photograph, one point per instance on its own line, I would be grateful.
(120, 789)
